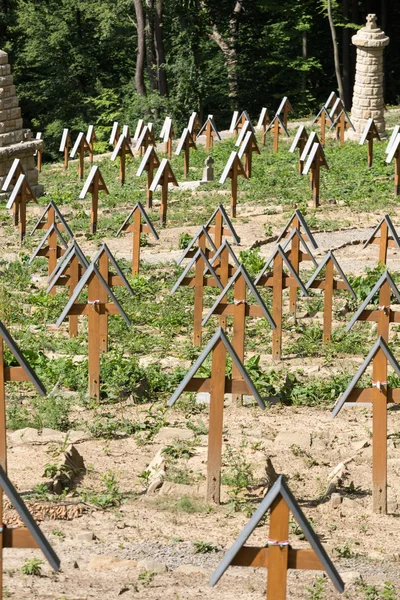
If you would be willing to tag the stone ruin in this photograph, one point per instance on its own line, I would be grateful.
(15, 142)
(368, 86)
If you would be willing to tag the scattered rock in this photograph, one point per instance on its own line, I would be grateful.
(392, 506)
(85, 536)
(336, 500)
(178, 490)
(350, 577)
(30, 435)
(157, 472)
(203, 398)
(190, 569)
(149, 564)
(360, 444)
(167, 434)
(70, 468)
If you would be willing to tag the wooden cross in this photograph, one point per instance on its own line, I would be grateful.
(150, 161)
(138, 130)
(115, 133)
(263, 123)
(91, 139)
(370, 133)
(15, 171)
(29, 536)
(199, 240)
(329, 284)
(240, 308)
(39, 153)
(211, 132)
(393, 136)
(315, 160)
(194, 124)
(95, 307)
(299, 142)
(336, 107)
(379, 395)
(249, 145)
(68, 272)
(93, 185)
(137, 227)
(388, 238)
(20, 196)
(285, 107)
(394, 153)
(232, 127)
(322, 119)
(278, 281)
(218, 385)
(295, 254)
(81, 146)
(65, 146)
(49, 248)
(163, 177)
(145, 140)
(312, 139)
(341, 123)
(222, 226)
(277, 126)
(54, 217)
(166, 135)
(185, 143)
(233, 169)
(225, 263)
(332, 98)
(277, 555)
(239, 121)
(202, 265)
(121, 149)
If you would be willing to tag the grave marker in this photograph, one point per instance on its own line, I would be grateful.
(185, 143)
(379, 395)
(332, 98)
(224, 270)
(94, 308)
(65, 146)
(55, 217)
(149, 162)
(329, 284)
(163, 177)
(201, 237)
(222, 227)
(240, 308)
(249, 145)
(19, 197)
(166, 135)
(240, 122)
(121, 149)
(93, 185)
(370, 133)
(218, 385)
(395, 132)
(394, 153)
(284, 109)
(296, 256)
(277, 126)
(341, 123)
(49, 247)
(211, 132)
(233, 170)
(145, 140)
(278, 281)
(15, 171)
(80, 146)
(115, 133)
(263, 123)
(315, 160)
(91, 139)
(194, 124)
(336, 108)
(277, 555)
(322, 119)
(138, 130)
(299, 142)
(312, 139)
(39, 153)
(388, 238)
(137, 213)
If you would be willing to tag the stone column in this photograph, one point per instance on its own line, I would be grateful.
(368, 86)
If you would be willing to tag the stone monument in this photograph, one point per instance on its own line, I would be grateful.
(15, 142)
(208, 171)
(368, 86)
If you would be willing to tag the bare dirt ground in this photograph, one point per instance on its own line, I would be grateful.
(145, 548)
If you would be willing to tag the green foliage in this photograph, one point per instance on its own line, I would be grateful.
(147, 577)
(317, 591)
(32, 566)
(201, 547)
(345, 551)
(363, 284)
(252, 261)
(110, 497)
(184, 240)
(179, 449)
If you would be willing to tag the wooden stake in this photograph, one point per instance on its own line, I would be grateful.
(214, 457)
(278, 557)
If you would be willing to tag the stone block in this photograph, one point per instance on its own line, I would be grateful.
(6, 81)
(6, 91)
(33, 176)
(12, 125)
(3, 57)
(7, 103)
(10, 113)
(5, 70)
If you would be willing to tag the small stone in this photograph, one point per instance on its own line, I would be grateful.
(350, 577)
(290, 438)
(190, 569)
(392, 506)
(106, 563)
(203, 398)
(149, 564)
(167, 434)
(336, 500)
(85, 536)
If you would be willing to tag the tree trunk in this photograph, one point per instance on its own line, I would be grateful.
(150, 49)
(159, 45)
(335, 50)
(228, 48)
(141, 51)
(346, 58)
(304, 55)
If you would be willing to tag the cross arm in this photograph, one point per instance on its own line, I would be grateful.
(251, 556)
(367, 395)
(373, 315)
(321, 284)
(232, 386)
(101, 308)
(18, 537)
